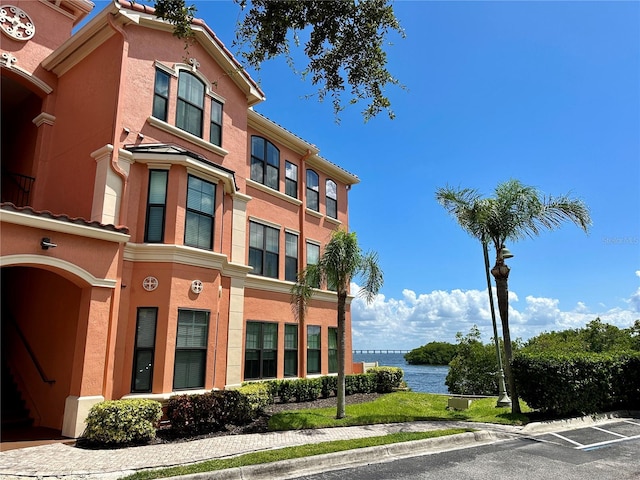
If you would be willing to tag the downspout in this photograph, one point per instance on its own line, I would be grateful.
(108, 380)
(302, 344)
(122, 215)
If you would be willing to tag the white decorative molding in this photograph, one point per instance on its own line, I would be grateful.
(7, 60)
(16, 23)
(313, 213)
(75, 270)
(266, 223)
(19, 218)
(197, 287)
(196, 257)
(150, 283)
(186, 136)
(44, 118)
(335, 221)
(271, 191)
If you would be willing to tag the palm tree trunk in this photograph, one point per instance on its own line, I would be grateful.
(501, 273)
(342, 301)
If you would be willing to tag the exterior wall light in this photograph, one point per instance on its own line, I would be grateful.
(46, 243)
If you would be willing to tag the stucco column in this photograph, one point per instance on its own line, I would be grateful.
(109, 184)
(235, 333)
(89, 359)
(239, 229)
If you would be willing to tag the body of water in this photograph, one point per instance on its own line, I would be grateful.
(419, 378)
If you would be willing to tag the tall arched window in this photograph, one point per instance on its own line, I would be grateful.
(265, 162)
(190, 103)
(332, 199)
(313, 191)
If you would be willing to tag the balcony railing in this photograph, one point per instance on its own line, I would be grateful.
(16, 188)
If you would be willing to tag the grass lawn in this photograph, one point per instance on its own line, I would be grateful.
(390, 408)
(398, 407)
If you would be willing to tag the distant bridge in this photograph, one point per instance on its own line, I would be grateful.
(381, 351)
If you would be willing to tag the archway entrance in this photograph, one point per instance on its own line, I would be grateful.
(40, 311)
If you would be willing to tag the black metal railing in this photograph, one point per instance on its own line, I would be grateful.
(16, 188)
(25, 343)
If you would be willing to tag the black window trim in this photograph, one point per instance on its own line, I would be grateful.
(205, 349)
(151, 205)
(261, 350)
(197, 212)
(136, 349)
(199, 108)
(265, 162)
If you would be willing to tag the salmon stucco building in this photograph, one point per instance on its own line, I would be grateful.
(152, 222)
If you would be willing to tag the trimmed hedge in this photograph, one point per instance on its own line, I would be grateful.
(378, 379)
(387, 378)
(208, 412)
(579, 383)
(116, 423)
(258, 395)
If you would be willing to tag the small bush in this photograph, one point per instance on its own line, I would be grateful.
(360, 383)
(208, 412)
(329, 386)
(307, 389)
(258, 395)
(122, 422)
(387, 378)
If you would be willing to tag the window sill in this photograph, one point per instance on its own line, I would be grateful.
(271, 191)
(335, 221)
(313, 213)
(164, 126)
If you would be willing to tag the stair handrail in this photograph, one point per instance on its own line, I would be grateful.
(32, 355)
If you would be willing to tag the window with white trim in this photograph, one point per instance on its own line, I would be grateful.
(191, 349)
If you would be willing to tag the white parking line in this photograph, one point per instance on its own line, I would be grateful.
(600, 444)
(609, 431)
(567, 439)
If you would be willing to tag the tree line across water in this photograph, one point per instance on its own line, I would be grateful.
(473, 364)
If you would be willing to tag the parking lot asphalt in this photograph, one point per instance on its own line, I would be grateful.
(66, 462)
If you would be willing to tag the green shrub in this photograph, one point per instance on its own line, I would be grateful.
(578, 383)
(329, 386)
(360, 383)
(258, 395)
(122, 422)
(307, 389)
(208, 412)
(387, 378)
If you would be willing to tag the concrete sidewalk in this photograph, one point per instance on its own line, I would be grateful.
(62, 461)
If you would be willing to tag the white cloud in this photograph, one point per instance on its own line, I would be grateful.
(417, 319)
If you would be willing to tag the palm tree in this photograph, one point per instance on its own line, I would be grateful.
(514, 212)
(341, 261)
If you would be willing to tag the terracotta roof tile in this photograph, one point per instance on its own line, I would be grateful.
(63, 218)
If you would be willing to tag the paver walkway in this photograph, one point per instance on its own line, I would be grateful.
(62, 461)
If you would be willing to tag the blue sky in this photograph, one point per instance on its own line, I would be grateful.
(544, 92)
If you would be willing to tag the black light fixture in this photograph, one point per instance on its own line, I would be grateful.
(46, 243)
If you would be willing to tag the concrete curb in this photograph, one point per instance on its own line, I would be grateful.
(351, 458)
(577, 422)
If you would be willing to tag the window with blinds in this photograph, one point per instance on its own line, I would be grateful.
(313, 349)
(291, 257)
(313, 191)
(290, 350)
(264, 247)
(191, 349)
(201, 199)
(190, 107)
(144, 350)
(156, 206)
(333, 350)
(261, 350)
